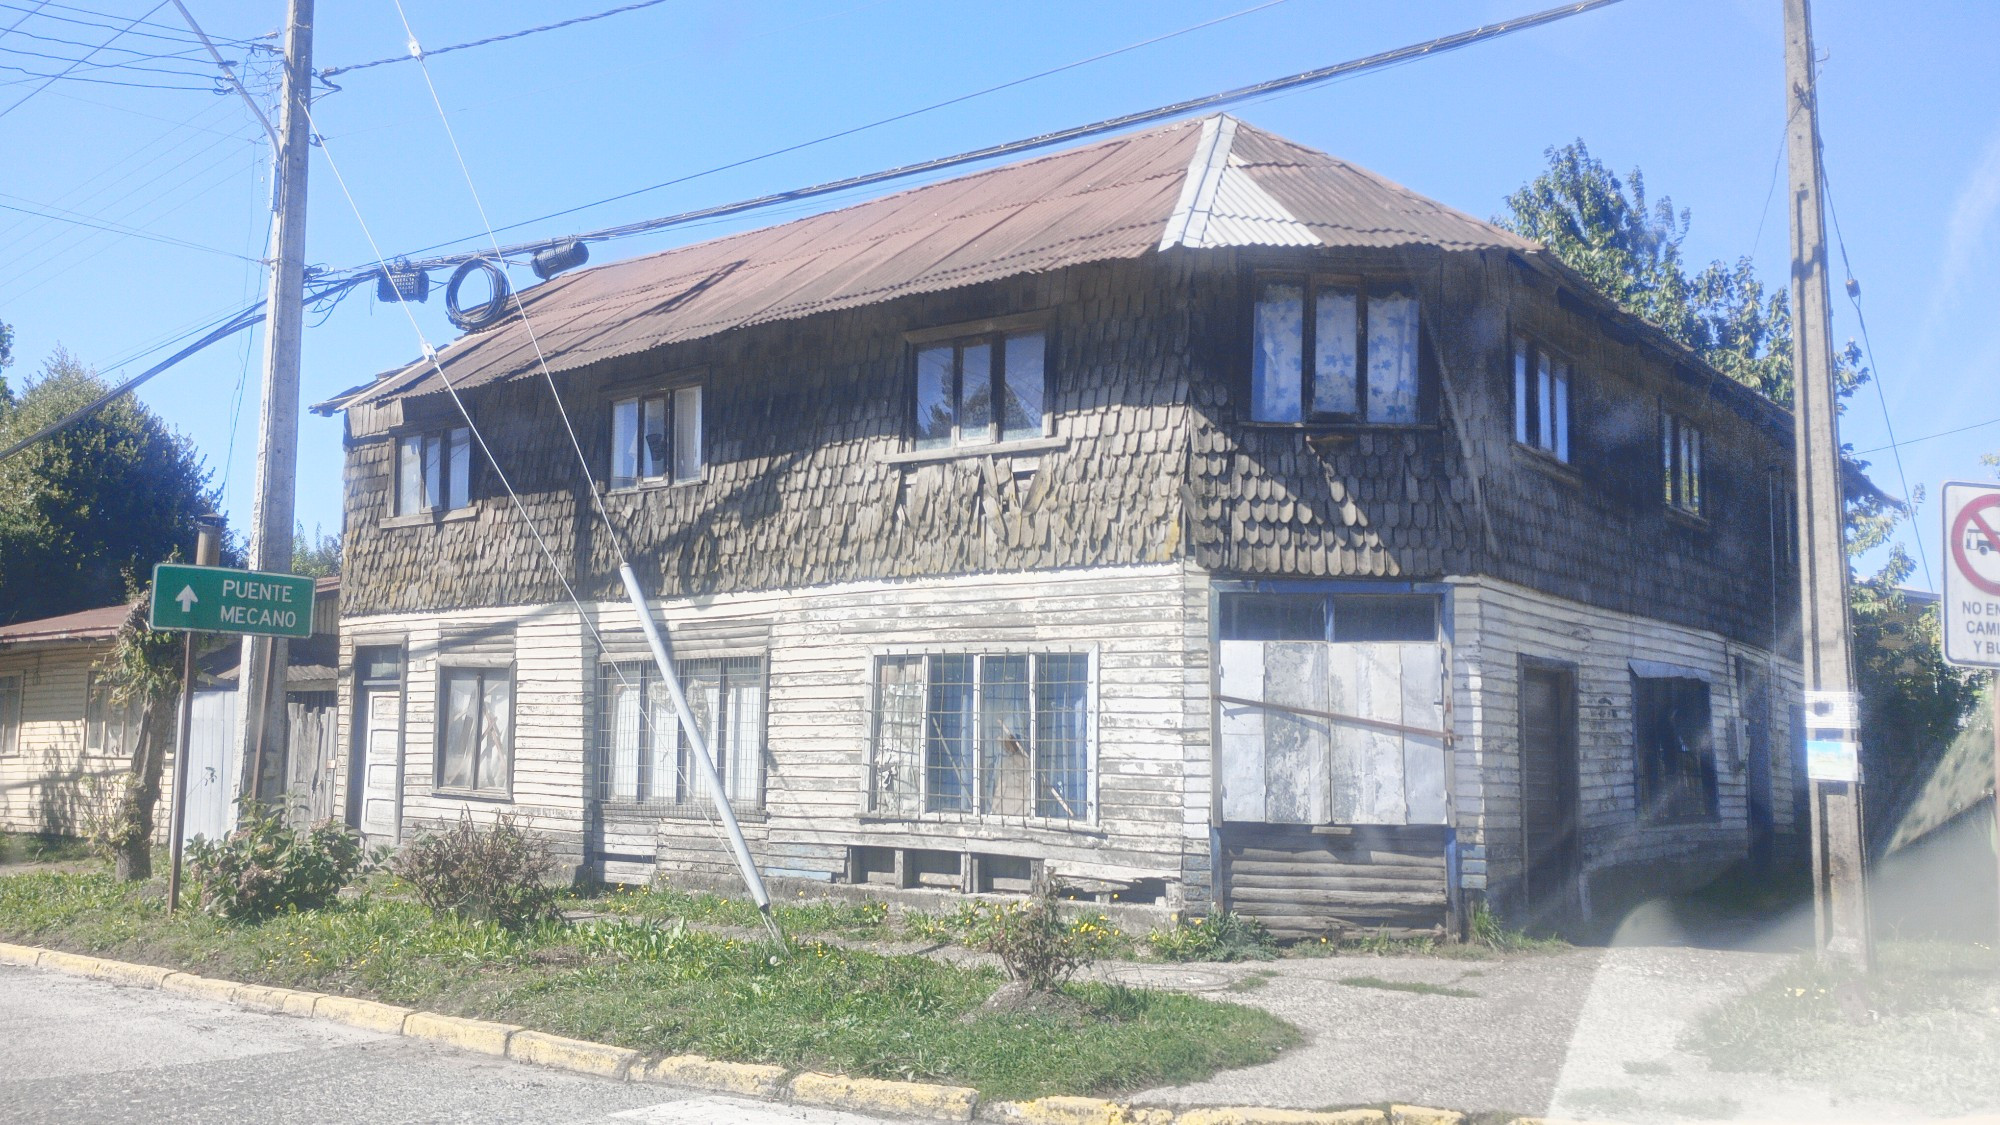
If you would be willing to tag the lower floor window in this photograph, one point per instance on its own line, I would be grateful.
(477, 754)
(645, 756)
(1676, 766)
(999, 733)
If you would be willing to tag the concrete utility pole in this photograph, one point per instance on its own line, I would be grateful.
(261, 673)
(1840, 902)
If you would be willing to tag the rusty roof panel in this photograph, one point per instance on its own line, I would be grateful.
(1107, 200)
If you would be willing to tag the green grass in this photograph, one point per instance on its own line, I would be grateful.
(639, 981)
(1919, 1031)
(30, 847)
(1420, 987)
(867, 920)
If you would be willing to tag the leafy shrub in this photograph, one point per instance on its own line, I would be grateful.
(266, 866)
(1219, 937)
(1036, 947)
(500, 873)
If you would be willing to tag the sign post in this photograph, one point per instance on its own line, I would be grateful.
(215, 599)
(1970, 609)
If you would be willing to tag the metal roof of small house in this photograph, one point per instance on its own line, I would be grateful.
(98, 624)
(1209, 182)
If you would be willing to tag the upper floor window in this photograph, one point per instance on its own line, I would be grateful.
(1541, 399)
(1681, 461)
(997, 733)
(434, 471)
(981, 389)
(656, 437)
(645, 757)
(1334, 352)
(476, 750)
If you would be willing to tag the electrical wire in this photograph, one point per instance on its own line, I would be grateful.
(66, 76)
(134, 65)
(331, 71)
(25, 98)
(178, 36)
(128, 232)
(1428, 48)
(1881, 398)
(1932, 437)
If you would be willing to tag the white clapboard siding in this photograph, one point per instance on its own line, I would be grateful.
(1497, 624)
(48, 783)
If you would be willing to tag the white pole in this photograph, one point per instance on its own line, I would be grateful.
(658, 643)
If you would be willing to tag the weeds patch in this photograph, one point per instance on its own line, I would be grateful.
(645, 978)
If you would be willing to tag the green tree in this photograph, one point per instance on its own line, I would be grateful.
(6, 358)
(94, 505)
(317, 555)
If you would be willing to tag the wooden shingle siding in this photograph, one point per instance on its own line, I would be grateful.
(1301, 883)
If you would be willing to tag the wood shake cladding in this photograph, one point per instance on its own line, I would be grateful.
(799, 420)
(1151, 457)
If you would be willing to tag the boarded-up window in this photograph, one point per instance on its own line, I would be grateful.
(1675, 748)
(1334, 351)
(1541, 399)
(434, 471)
(476, 746)
(1332, 709)
(10, 714)
(1002, 734)
(645, 757)
(981, 389)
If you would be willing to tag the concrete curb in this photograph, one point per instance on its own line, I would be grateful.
(838, 1091)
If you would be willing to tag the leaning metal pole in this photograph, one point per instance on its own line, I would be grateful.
(656, 641)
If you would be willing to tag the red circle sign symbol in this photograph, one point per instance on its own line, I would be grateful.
(1975, 543)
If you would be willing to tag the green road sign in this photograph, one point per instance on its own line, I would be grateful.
(215, 599)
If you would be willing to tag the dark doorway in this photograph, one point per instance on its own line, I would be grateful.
(1549, 828)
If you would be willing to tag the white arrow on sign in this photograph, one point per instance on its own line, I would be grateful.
(187, 599)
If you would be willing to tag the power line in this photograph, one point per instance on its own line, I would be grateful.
(52, 79)
(416, 53)
(66, 76)
(114, 228)
(1932, 437)
(15, 30)
(179, 36)
(127, 64)
(1875, 371)
(1427, 48)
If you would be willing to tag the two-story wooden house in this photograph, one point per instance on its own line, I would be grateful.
(1198, 515)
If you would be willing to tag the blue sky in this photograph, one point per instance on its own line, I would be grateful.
(1688, 90)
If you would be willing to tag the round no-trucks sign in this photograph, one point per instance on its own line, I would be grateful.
(1971, 593)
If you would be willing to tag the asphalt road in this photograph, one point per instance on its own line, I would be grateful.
(80, 1051)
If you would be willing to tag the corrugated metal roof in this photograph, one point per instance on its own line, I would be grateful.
(1201, 183)
(97, 624)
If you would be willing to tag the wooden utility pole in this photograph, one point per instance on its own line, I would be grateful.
(261, 673)
(1840, 902)
(207, 552)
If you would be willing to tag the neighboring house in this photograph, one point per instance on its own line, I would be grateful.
(63, 743)
(1070, 514)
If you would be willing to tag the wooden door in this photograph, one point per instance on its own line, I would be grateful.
(1549, 814)
(379, 763)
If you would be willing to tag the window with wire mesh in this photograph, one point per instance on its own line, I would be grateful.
(645, 758)
(1001, 734)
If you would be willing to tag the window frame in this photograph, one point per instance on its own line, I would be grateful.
(995, 334)
(1684, 465)
(98, 719)
(449, 482)
(976, 791)
(1648, 782)
(672, 399)
(13, 701)
(1364, 288)
(689, 795)
(441, 723)
(1544, 381)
